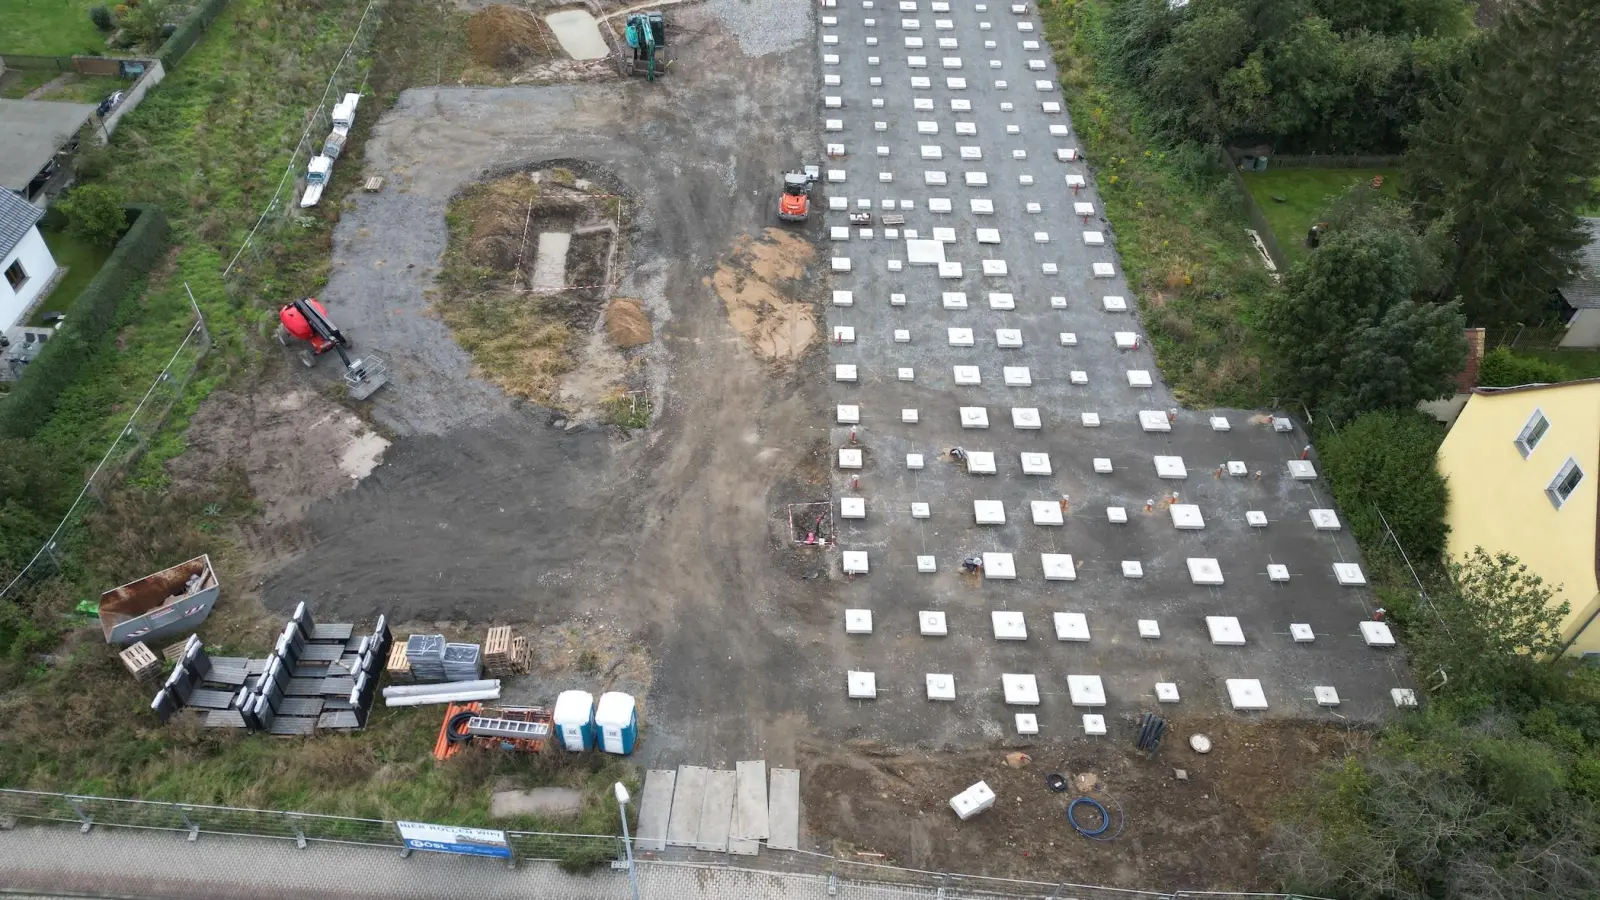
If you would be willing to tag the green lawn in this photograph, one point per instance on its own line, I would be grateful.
(49, 27)
(1578, 363)
(83, 262)
(1305, 194)
(18, 83)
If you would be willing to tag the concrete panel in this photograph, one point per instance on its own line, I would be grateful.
(783, 809)
(688, 797)
(716, 814)
(655, 809)
(749, 808)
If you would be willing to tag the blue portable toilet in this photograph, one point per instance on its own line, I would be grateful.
(574, 720)
(617, 719)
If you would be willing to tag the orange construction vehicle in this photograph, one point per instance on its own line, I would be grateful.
(795, 203)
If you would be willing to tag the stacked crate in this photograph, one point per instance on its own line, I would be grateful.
(498, 660)
(425, 654)
(463, 662)
(141, 662)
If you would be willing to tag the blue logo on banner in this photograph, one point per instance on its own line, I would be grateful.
(501, 852)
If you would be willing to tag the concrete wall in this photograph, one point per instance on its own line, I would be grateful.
(1498, 501)
(1584, 329)
(40, 267)
(153, 74)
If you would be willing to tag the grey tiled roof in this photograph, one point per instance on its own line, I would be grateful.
(17, 217)
(1583, 292)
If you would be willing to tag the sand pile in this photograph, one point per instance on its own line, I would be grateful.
(626, 324)
(503, 37)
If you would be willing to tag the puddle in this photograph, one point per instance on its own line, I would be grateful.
(550, 266)
(361, 455)
(578, 33)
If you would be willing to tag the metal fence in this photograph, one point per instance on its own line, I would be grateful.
(829, 872)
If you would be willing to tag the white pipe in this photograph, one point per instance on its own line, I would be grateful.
(458, 697)
(415, 690)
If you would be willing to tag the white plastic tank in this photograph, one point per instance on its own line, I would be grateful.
(574, 720)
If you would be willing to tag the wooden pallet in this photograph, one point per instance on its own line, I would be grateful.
(521, 656)
(398, 667)
(375, 183)
(497, 656)
(141, 662)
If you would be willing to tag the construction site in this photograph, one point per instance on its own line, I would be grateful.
(753, 392)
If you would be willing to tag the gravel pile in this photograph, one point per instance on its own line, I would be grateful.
(764, 26)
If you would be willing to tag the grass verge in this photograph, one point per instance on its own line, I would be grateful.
(1305, 194)
(82, 261)
(1178, 223)
(53, 28)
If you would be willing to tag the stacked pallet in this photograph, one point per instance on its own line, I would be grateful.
(141, 662)
(398, 667)
(497, 658)
(425, 655)
(521, 656)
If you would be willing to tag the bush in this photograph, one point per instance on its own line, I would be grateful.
(101, 17)
(30, 403)
(1385, 460)
(178, 43)
(1502, 368)
(95, 213)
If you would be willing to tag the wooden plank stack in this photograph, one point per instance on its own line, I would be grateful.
(141, 662)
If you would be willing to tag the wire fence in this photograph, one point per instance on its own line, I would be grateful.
(130, 443)
(829, 873)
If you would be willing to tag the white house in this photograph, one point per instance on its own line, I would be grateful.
(25, 261)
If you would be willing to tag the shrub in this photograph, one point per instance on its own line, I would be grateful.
(1385, 460)
(95, 213)
(101, 17)
(1502, 368)
(30, 403)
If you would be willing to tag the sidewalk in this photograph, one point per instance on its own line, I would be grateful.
(158, 865)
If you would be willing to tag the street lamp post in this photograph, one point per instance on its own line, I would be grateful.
(627, 842)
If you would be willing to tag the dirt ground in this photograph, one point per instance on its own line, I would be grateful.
(892, 807)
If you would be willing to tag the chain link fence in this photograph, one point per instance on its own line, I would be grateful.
(804, 873)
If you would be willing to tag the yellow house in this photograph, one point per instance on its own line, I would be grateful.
(1523, 465)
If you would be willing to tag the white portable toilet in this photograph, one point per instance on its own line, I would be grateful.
(616, 718)
(574, 720)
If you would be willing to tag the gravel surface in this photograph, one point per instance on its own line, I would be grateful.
(764, 26)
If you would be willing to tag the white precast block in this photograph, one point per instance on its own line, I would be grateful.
(852, 508)
(1225, 631)
(1246, 693)
(1016, 376)
(1041, 237)
(899, 300)
(981, 207)
(1255, 518)
(947, 43)
(921, 82)
(1149, 629)
(1086, 690)
(902, 335)
(830, 59)
(1377, 634)
(1020, 690)
(861, 685)
(1027, 723)
(924, 252)
(1035, 463)
(1008, 338)
(1036, 65)
(1034, 208)
(1132, 568)
(941, 687)
(838, 203)
(1166, 692)
(1025, 180)
(833, 102)
(972, 801)
(1071, 626)
(1008, 625)
(1094, 238)
(1114, 304)
(858, 621)
(840, 264)
(988, 235)
(895, 265)
(844, 372)
(931, 152)
(1326, 695)
(913, 43)
(980, 462)
(994, 268)
(971, 153)
(836, 175)
(913, 461)
(944, 235)
(951, 62)
(1220, 423)
(953, 299)
(1025, 418)
(1002, 301)
(1302, 633)
(884, 178)
(1075, 182)
(1090, 420)
(1094, 723)
(966, 375)
(1105, 270)
(1046, 512)
(1186, 516)
(1325, 520)
(1117, 515)
(1078, 376)
(910, 24)
(1044, 84)
(974, 417)
(848, 414)
(1000, 567)
(1403, 697)
(919, 511)
(1302, 470)
(839, 233)
(855, 562)
(935, 178)
(1348, 574)
(1170, 467)
(926, 565)
(960, 337)
(1067, 154)
(850, 458)
(908, 416)
(939, 205)
(1058, 567)
(976, 179)
(1102, 465)
(906, 373)
(1126, 340)
(1277, 572)
(927, 127)
(1205, 570)
(989, 512)
(1069, 339)
(955, 84)
(931, 623)
(1154, 420)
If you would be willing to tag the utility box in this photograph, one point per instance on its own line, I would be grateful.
(616, 718)
(574, 720)
(158, 607)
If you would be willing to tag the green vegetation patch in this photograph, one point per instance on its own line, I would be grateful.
(1305, 195)
(53, 28)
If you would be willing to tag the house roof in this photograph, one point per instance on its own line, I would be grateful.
(1583, 291)
(31, 131)
(17, 218)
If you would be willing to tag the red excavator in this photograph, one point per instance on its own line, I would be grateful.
(795, 203)
(306, 320)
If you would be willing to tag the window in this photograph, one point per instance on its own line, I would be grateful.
(1565, 482)
(1532, 433)
(16, 275)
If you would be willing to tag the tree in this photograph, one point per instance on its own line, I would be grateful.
(1385, 461)
(1502, 368)
(1505, 154)
(1500, 613)
(1346, 333)
(95, 213)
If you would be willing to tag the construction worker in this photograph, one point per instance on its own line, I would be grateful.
(958, 453)
(972, 564)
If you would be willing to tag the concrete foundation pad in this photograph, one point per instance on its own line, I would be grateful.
(545, 801)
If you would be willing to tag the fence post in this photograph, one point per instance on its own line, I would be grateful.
(86, 820)
(299, 833)
(183, 814)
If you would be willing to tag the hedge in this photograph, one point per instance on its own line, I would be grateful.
(1385, 460)
(87, 320)
(178, 44)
